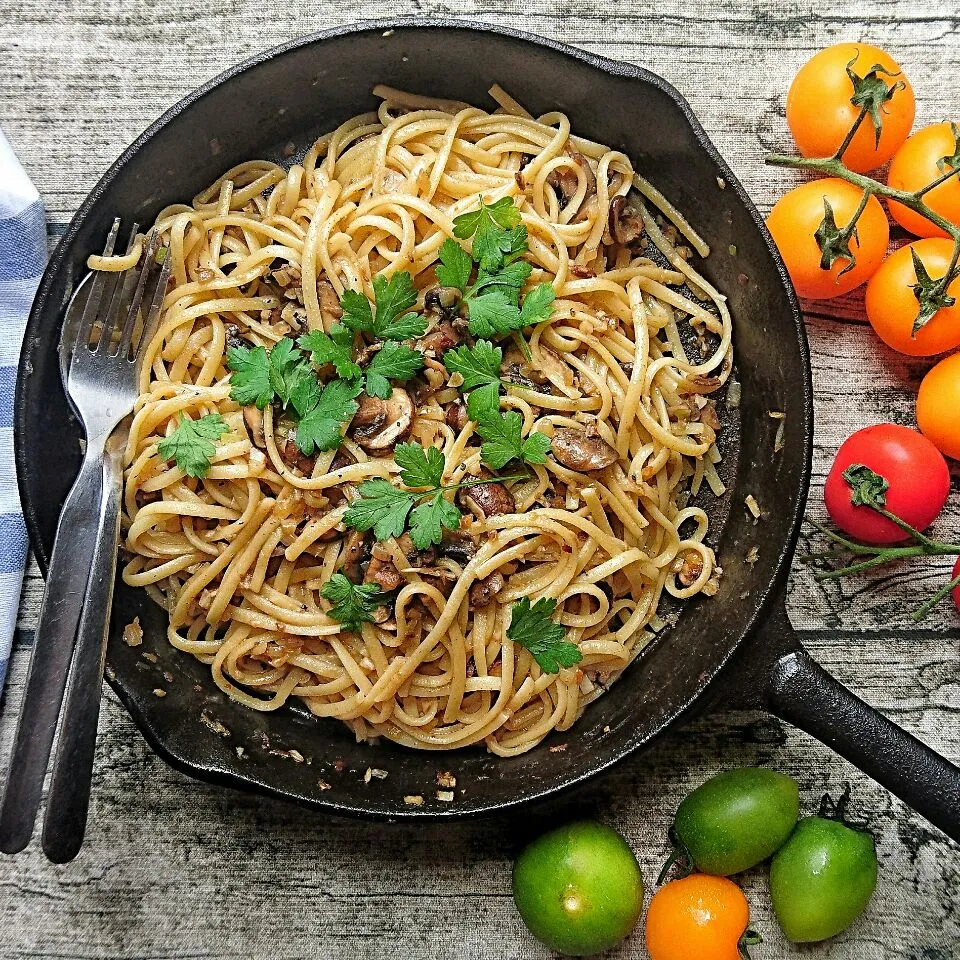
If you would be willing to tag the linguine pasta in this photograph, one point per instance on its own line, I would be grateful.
(622, 370)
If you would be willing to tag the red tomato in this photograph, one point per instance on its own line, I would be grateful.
(956, 589)
(916, 471)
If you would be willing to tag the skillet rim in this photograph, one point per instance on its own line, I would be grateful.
(765, 598)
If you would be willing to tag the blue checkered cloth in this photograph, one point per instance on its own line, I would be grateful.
(23, 253)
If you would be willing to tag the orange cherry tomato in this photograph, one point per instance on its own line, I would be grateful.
(820, 111)
(794, 221)
(916, 164)
(938, 406)
(697, 918)
(892, 306)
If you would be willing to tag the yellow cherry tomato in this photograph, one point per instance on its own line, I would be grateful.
(697, 918)
(820, 111)
(919, 162)
(892, 306)
(794, 221)
(938, 406)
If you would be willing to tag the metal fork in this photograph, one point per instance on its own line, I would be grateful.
(102, 387)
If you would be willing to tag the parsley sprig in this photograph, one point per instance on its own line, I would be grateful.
(531, 627)
(493, 298)
(421, 507)
(285, 376)
(388, 318)
(502, 433)
(352, 604)
(191, 445)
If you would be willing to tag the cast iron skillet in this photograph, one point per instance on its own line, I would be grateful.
(288, 96)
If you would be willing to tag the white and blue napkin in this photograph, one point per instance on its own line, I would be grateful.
(23, 254)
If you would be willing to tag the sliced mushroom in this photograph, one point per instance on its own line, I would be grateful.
(690, 568)
(458, 546)
(380, 424)
(415, 557)
(487, 499)
(330, 309)
(234, 338)
(582, 450)
(384, 574)
(439, 340)
(483, 591)
(625, 224)
(354, 550)
(699, 383)
(295, 456)
(456, 415)
(253, 418)
(565, 178)
(441, 298)
(708, 415)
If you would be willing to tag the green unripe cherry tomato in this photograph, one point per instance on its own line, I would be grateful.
(822, 879)
(737, 819)
(578, 888)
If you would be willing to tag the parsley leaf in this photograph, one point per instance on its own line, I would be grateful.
(319, 427)
(496, 231)
(381, 507)
(250, 381)
(479, 365)
(287, 366)
(191, 444)
(386, 509)
(428, 519)
(493, 313)
(389, 322)
(512, 277)
(420, 467)
(502, 432)
(532, 628)
(394, 361)
(538, 304)
(455, 265)
(352, 603)
(335, 347)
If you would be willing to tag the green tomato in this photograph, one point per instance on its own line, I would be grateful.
(737, 819)
(822, 879)
(578, 888)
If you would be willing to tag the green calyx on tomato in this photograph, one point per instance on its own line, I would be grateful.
(871, 92)
(823, 877)
(931, 294)
(578, 888)
(735, 820)
(834, 242)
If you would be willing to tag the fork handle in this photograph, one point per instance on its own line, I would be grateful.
(67, 576)
(68, 798)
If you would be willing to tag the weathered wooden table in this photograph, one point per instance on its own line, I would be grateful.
(177, 869)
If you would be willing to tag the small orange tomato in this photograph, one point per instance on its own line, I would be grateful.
(794, 221)
(938, 406)
(919, 162)
(697, 918)
(892, 306)
(820, 108)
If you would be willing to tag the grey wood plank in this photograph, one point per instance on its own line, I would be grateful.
(173, 868)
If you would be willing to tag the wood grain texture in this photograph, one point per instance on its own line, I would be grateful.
(174, 868)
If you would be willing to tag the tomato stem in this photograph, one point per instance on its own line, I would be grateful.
(831, 166)
(924, 609)
(851, 133)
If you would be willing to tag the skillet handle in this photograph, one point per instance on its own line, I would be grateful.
(804, 694)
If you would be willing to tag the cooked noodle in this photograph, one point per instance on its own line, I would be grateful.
(239, 558)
